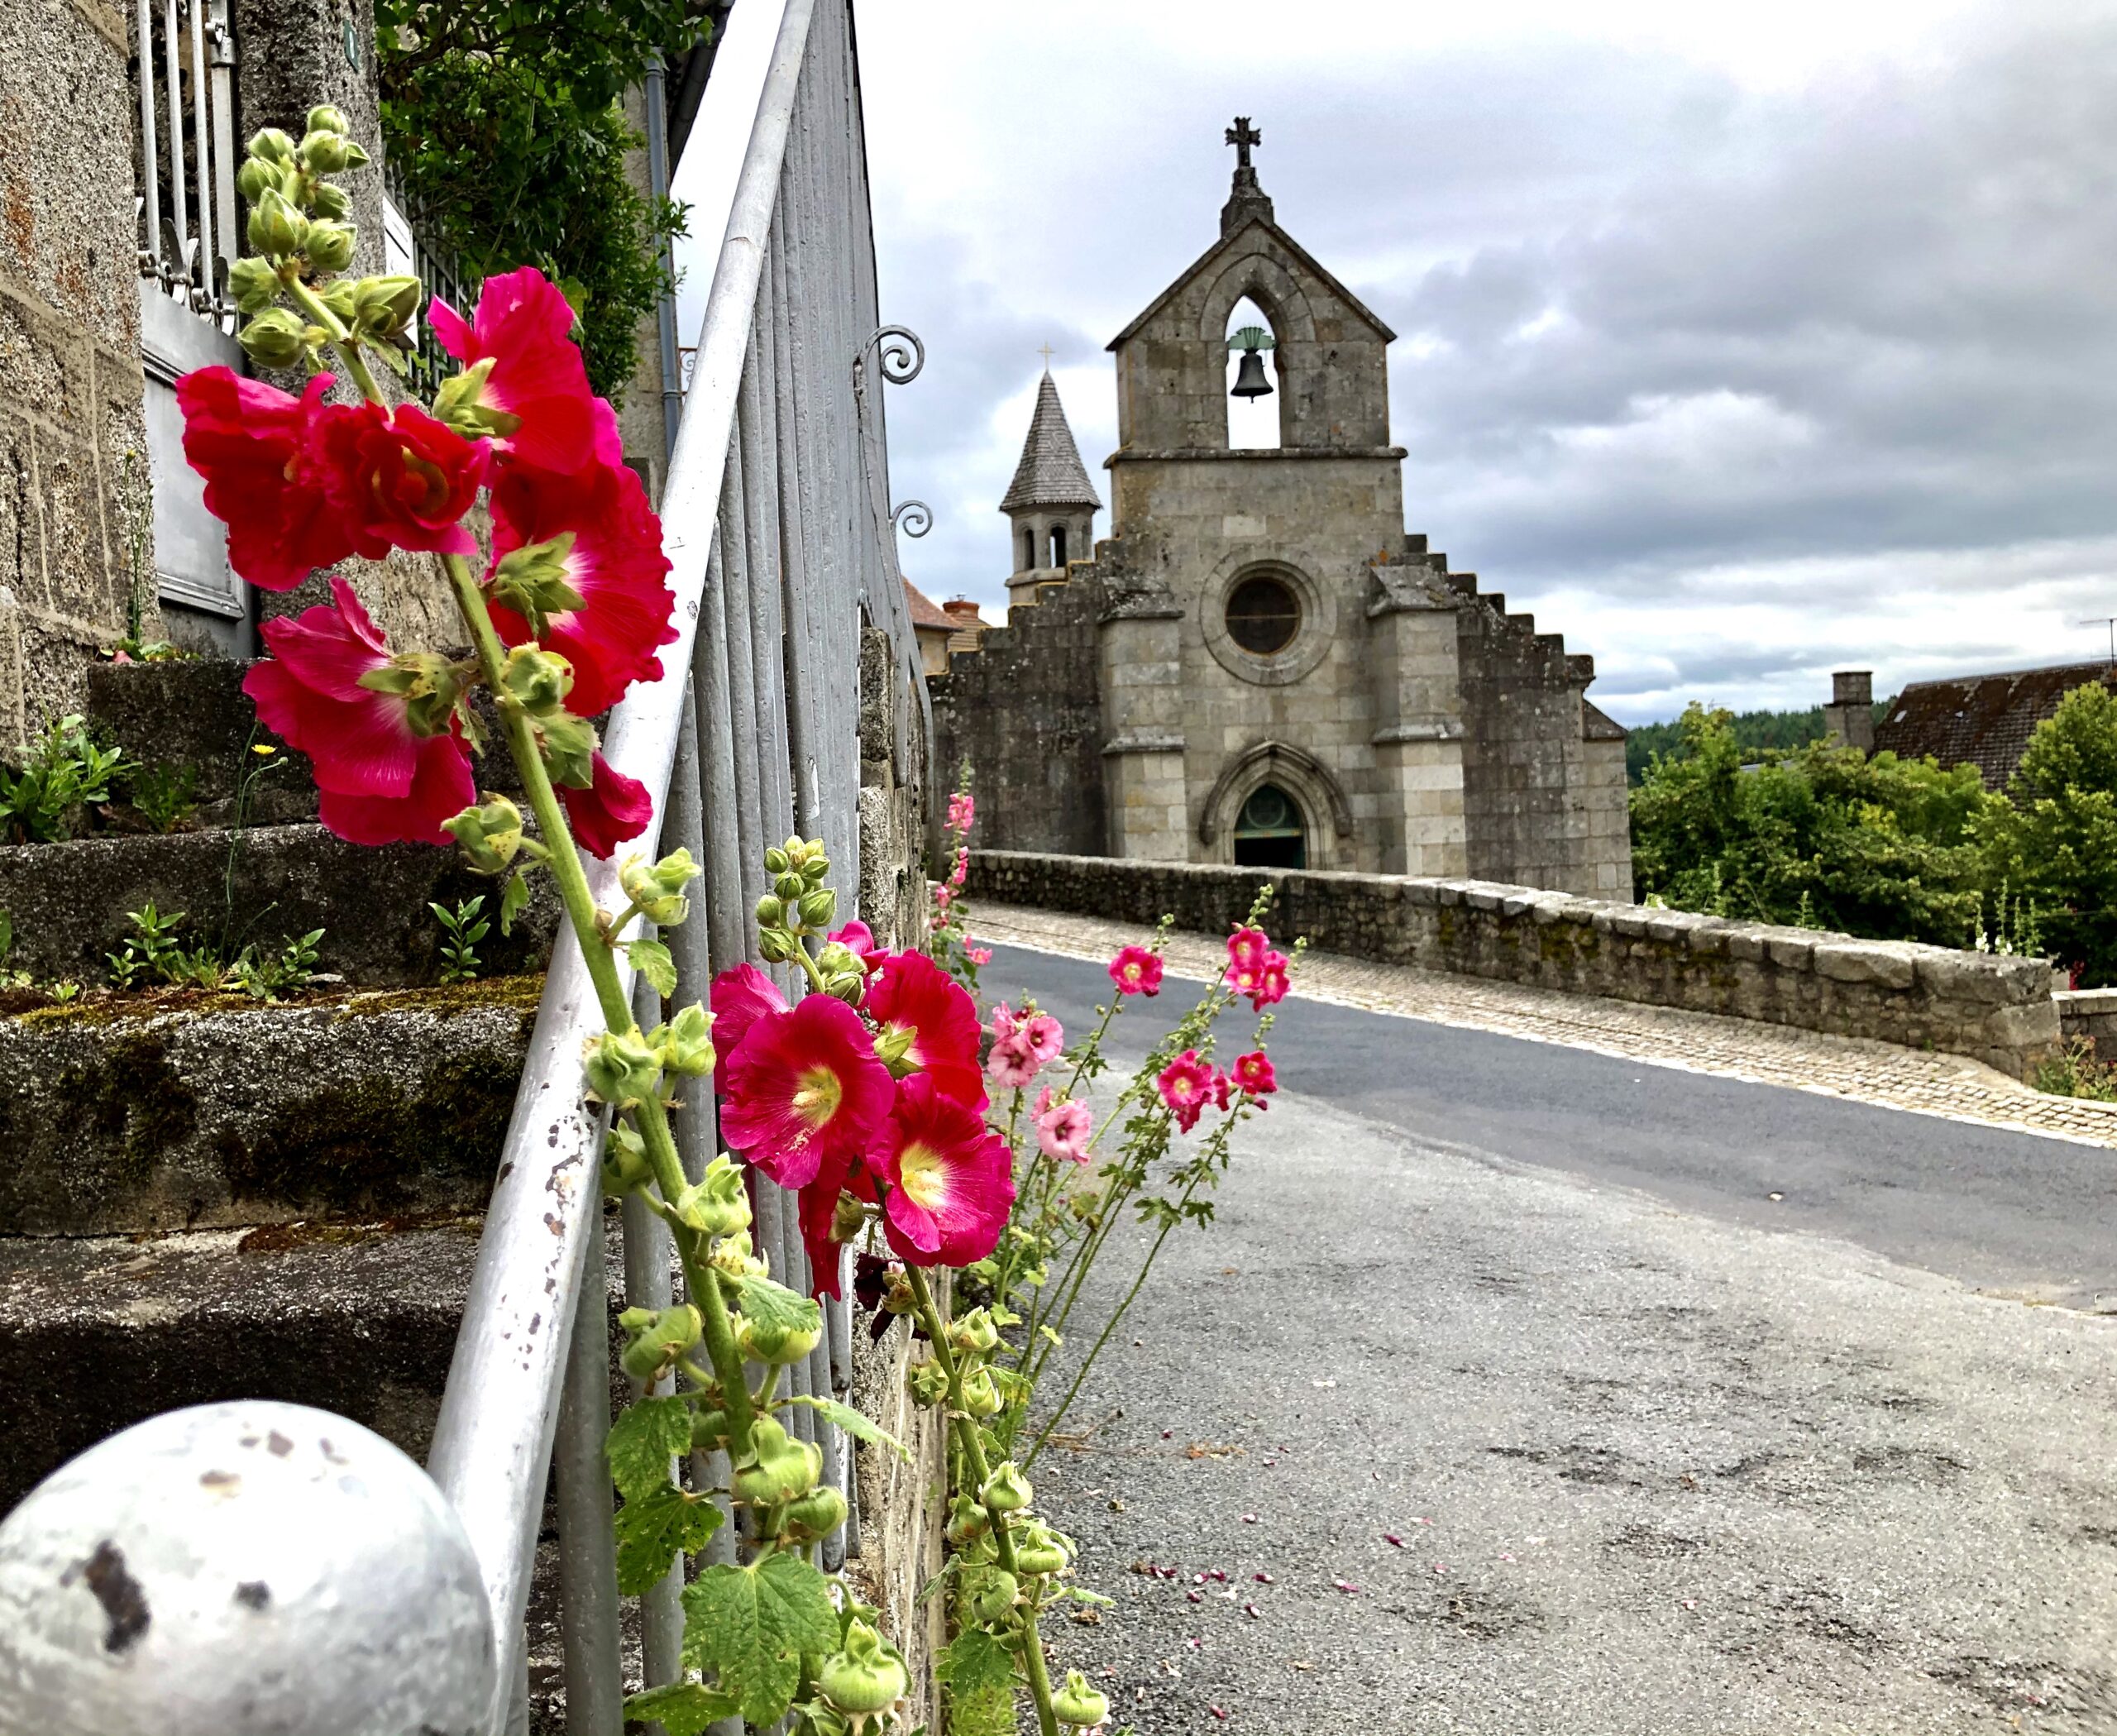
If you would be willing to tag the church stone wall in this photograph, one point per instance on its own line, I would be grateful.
(1026, 709)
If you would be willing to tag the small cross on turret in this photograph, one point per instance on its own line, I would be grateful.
(1242, 135)
(1246, 200)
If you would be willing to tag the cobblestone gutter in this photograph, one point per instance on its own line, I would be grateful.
(1998, 1011)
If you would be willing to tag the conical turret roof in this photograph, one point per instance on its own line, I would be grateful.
(1051, 473)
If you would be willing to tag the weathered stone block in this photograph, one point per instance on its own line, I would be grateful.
(1861, 961)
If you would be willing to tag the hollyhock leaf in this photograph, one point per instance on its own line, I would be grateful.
(975, 1663)
(657, 1527)
(750, 1625)
(774, 1311)
(854, 1423)
(682, 1708)
(513, 901)
(650, 959)
(643, 1440)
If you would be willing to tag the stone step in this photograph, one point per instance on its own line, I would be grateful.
(140, 1114)
(67, 903)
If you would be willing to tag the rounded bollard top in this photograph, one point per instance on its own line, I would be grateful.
(245, 1569)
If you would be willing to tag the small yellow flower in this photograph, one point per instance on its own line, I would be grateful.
(264, 748)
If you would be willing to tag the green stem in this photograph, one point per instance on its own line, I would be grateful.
(974, 1456)
(310, 304)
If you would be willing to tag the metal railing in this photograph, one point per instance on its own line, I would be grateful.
(410, 249)
(186, 55)
(775, 515)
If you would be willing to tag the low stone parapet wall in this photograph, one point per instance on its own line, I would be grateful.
(1996, 1010)
(2091, 1013)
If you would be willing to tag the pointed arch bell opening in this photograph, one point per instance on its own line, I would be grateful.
(1254, 423)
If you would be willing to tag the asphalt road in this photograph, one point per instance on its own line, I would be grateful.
(1497, 1401)
(2006, 1211)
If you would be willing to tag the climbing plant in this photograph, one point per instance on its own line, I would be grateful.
(503, 119)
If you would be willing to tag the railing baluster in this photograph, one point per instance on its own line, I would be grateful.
(150, 184)
(173, 70)
(223, 82)
(588, 1585)
(203, 292)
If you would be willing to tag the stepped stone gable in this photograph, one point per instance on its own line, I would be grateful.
(1259, 666)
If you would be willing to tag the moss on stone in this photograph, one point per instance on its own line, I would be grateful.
(133, 1100)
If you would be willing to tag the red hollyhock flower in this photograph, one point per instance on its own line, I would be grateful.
(861, 938)
(1136, 971)
(523, 324)
(259, 451)
(381, 781)
(949, 1177)
(912, 995)
(1252, 1072)
(401, 479)
(741, 996)
(804, 1086)
(818, 1207)
(1187, 1087)
(611, 810)
(616, 564)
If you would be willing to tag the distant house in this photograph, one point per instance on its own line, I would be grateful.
(1984, 720)
(941, 628)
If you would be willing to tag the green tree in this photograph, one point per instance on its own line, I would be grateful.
(2057, 842)
(503, 119)
(1821, 836)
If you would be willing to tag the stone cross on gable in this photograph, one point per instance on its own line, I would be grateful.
(1242, 135)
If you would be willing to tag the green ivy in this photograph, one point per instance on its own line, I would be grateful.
(503, 118)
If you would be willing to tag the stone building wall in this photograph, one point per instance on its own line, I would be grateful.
(1026, 708)
(1996, 1010)
(74, 499)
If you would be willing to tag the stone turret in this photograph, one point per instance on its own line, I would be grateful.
(1051, 504)
(1849, 719)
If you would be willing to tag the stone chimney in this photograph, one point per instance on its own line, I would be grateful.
(1848, 720)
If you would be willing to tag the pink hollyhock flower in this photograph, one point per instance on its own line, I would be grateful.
(1273, 982)
(523, 325)
(401, 479)
(912, 999)
(1247, 946)
(1045, 1035)
(1005, 1021)
(861, 938)
(962, 810)
(612, 809)
(1063, 1130)
(1010, 1063)
(949, 1177)
(616, 565)
(944, 896)
(1253, 1074)
(980, 956)
(1136, 971)
(1187, 1087)
(804, 1086)
(740, 996)
(381, 781)
(961, 871)
(259, 451)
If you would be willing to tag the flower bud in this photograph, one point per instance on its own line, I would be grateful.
(790, 886)
(536, 681)
(685, 1043)
(1006, 1490)
(780, 1469)
(326, 153)
(981, 1398)
(325, 118)
(276, 228)
(709, 1430)
(775, 862)
(1041, 1551)
(330, 245)
(385, 305)
(568, 745)
(899, 1297)
(865, 1677)
(974, 1331)
(731, 1254)
(624, 1161)
(893, 1047)
(816, 1515)
(849, 1217)
(277, 338)
(814, 868)
(270, 145)
(489, 833)
(769, 911)
(658, 891)
(330, 201)
(1078, 1704)
(337, 295)
(658, 1340)
(256, 176)
(717, 1203)
(837, 959)
(991, 1595)
(780, 1346)
(966, 1519)
(622, 1069)
(254, 284)
(927, 1384)
(776, 946)
(819, 907)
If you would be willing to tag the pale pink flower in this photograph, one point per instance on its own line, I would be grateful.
(979, 955)
(1005, 1022)
(1063, 1130)
(1045, 1035)
(1012, 1065)
(962, 810)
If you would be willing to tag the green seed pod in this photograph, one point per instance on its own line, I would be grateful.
(991, 1595)
(1078, 1704)
(686, 1042)
(865, 1677)
(849, 1217)
(974, 1331)
(490, 834)
(717, 1203)
(782, 1468)
(270, 145)
(1006, 1490)
(254, 284)
(658, 1339)
(708, 1431)
(980, 1397)
(330, 245)
(325, 118)
(966, 1520)
(624, 1161)
(536, 681)
(622, 1069)
(817, 1514)
(1041, 1551)
(658, 890)
(927, 1384)
(781, 1346)
(330, 201)
(277, 338)
(277, 229)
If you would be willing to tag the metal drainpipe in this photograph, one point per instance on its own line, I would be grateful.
(657, 184)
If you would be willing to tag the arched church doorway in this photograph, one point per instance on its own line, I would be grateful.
(1270, 832)
(1253, 423)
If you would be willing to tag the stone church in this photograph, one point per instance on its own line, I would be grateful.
(1258, 665)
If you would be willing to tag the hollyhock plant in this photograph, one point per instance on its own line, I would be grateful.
(1247, 947)
(927, 1022)
(1063, 1130)
(610, 560)
(389, 765)
(1186, 1085)
(740, 995)
(1010, 1063)
(1254, 1074)
(1136, 970)
(947, 1178)
(259, 451)
(803, 1086)
(534, 399)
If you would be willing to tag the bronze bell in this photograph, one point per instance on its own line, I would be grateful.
(1250, 380)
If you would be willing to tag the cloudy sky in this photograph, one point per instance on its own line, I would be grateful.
(1740, 342)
